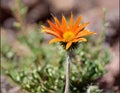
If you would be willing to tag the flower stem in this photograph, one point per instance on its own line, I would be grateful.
(67, 73)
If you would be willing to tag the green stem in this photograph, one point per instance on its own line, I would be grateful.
(67, 73)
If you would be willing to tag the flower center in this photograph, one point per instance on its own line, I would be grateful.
(68, 36)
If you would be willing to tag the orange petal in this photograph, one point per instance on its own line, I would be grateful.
(55, 40)
(47, 30)
(58, 25)
(54, 27)
(53, 33)
(77, 22)
(81, 27)
(43, 28)
(57, 21)
(64, 23)
(80, 39)
(71, 21)
(51, 24)
(84, 33)
(68, 45)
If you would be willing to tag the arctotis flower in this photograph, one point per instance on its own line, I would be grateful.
(67, 33)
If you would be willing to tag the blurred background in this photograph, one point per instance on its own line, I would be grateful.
(21, 17)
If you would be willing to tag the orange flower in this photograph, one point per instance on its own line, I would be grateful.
(67, 33)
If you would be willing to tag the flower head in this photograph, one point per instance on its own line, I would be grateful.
(67, 33)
